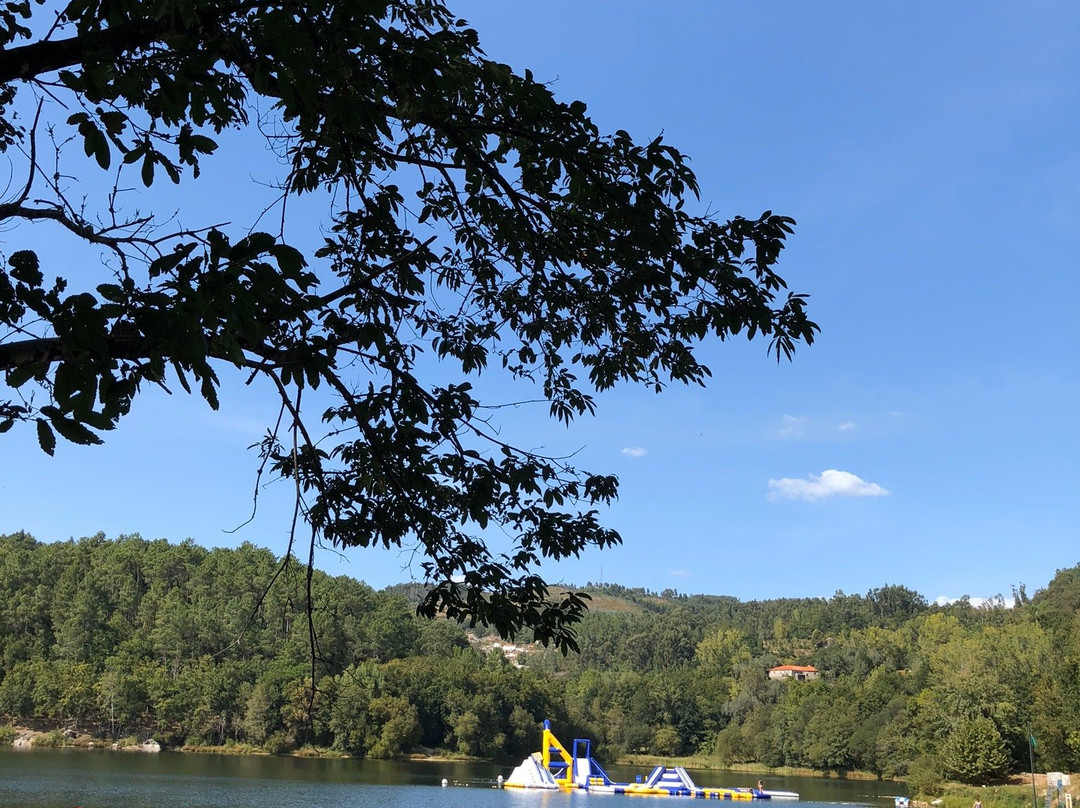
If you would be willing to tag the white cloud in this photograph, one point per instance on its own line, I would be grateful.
(791, 426)
(680, 573)
(830, 483)
(997, 602)
(806, 427)
(634, 451)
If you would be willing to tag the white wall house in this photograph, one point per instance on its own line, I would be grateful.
(800, 672)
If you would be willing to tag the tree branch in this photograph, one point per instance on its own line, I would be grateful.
(30, 61)
(45, 56)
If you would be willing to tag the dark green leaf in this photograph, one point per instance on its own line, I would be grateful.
(75, 432)
(24, 267)
(46, 438)
(148, 169)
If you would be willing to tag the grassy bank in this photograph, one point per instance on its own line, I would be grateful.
(706, 762)
(1004, 796)
(1017, 793)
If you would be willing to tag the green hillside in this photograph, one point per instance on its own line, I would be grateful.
(214, 647)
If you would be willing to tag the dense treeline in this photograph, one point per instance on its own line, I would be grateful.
(908, 689)
(197, 647)
(190, 644)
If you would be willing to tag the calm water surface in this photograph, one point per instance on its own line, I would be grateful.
(51, 778)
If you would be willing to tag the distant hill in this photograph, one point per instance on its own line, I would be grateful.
(214, 647)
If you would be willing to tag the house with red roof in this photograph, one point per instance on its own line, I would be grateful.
(798, 672)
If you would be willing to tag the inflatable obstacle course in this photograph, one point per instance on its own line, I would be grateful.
(556, 767)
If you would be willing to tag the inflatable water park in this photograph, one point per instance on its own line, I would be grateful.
(574, 769)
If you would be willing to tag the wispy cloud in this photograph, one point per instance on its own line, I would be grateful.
(634, 451)
(680, 573)
(996, 602)
(830, 483)
(791, 426)
(806, 427)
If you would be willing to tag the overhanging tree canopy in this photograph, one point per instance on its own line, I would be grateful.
(528, 243)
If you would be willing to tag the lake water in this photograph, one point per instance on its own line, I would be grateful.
(50, 778)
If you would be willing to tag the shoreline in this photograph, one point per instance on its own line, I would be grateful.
(711, 764)
(27, 738)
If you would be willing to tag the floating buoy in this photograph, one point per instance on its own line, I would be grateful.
(445, 783)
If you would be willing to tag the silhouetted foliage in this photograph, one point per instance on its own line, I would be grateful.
(468, 216)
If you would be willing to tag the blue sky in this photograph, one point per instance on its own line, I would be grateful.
(929, 153)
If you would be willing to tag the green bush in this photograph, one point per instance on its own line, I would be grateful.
(924, 777)
(8, 734)
(279, 743)
(50, 740)
(974, 752)
(666, 742)
(728, 745)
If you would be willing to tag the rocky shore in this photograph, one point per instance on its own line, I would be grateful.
(26, 738)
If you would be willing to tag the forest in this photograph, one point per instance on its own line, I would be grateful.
(218, 647)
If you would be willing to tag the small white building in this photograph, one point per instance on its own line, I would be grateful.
(799, 672)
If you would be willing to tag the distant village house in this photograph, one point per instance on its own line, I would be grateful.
(799, 672)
